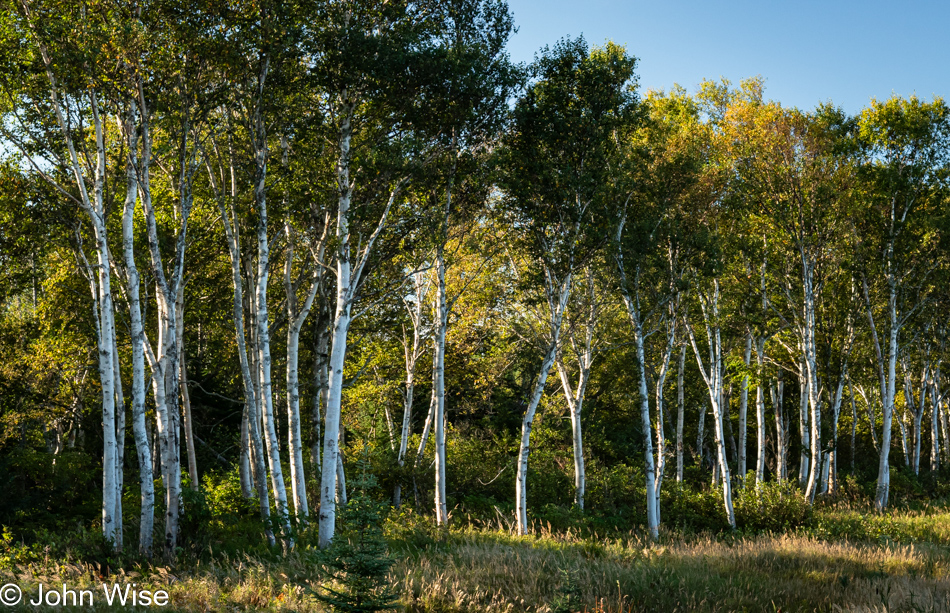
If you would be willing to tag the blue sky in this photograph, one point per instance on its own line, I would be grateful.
(808, 52)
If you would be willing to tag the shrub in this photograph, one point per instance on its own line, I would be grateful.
(683, 507)
(772, 506)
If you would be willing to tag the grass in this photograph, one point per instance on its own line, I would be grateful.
(844, 560)
(493, 573)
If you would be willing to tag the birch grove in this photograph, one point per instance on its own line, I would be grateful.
(218, 207)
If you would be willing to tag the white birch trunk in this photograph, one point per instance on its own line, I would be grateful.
(680, 415)
(575, 402)
(341, 326)
(442, 313)
(411, 352)
(557, 297)
(744, 409)
(262, 322)
(934, 418)
(701, 436)
(803, 415)
(884, 473)
(185, 398)
(811, 372)
(575, 397)
(295, 321)
(321, 378)
(347, 279)
(94, 207)
(713, 379)
(760, 412)
(119, 440)
(139, 432)
(252, 449)
(660, 419)
(777, 392)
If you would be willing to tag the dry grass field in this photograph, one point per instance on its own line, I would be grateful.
(896, 562)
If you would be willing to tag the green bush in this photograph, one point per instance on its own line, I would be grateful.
(686, 508)
(770, 506)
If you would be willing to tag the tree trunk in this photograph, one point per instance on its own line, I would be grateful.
(557, 295)
(934, 418)
(760, 412)
(701, 436)
(295, 322)
(411, 354)
(139, 432)
(442, 313)
(262, 322)
(680, 415)
(183, 386)
(744, 409)
(574, 397)
(119, 440)
(321, 380)
(803, 415)
(781, 431)
(341, 326)
(884, 473)
(713, 379)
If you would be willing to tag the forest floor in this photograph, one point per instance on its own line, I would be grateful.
(844, 560)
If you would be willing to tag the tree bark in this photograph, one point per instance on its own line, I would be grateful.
(713, 379)
(558, 294)
(680, 415)
(744, 409)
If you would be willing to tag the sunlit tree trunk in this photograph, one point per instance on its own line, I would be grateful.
(442, 315)
(252, 448)
(412, 351)
(744, 409)
(713, 378)
(934, 417)
(557, 293)
(584, 353)
(139, 432)
(295, 320)
(347, 281)
(804, 432)
(777, 392)
(660, 418)
(760, 413)
(183, 386)
(262, 323)
(811, 373)
(680, 415)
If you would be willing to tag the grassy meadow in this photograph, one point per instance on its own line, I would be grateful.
(843, 558)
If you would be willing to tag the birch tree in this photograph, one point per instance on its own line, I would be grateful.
(788, 166)
(366, 54)
(475, 84)
(648, 252)
(557, 175)
(905, 153)
(64, 77)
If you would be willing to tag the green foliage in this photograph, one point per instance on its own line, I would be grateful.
(568, 593)
(686, 508)
(219, 516)
(358, 560)
(770, 506)
(46, 491)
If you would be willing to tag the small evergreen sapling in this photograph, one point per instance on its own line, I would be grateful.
(358, 559)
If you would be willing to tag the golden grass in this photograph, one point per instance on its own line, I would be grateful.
(489, 571)
(763, 573)
(245, 584)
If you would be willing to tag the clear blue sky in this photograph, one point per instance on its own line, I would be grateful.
(808, 52)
